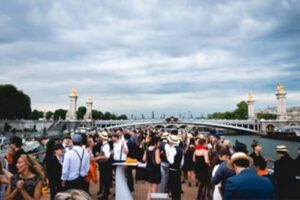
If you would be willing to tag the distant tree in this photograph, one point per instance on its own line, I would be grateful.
(14, 104)
(107, 116)
(49, 114)
(35, 115)
(97, 114)
(242, 110)
(122, 117)
(266, 116)
(113, 116)
(81, 112)
(60, 113)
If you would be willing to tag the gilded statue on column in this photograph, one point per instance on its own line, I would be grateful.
(250, 96)
(73, 92)
(89, 99)
(280, 88)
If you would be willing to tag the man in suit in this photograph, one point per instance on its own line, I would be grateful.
(285, 174)
(54, 169)
(105, 165)
(246, 184)
(176, 159)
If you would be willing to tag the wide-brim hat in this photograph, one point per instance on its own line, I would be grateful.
(281, 148)
(165, 135)
(239, 156)
(200, 136)
(103, 135)
(173, 139)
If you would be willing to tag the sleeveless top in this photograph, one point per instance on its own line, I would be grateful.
(177, 159)
(153, 169)
(29, 185)
(151, 159)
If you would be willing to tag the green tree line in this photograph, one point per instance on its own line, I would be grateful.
(241, 112)
(14, 104)
(61, 114)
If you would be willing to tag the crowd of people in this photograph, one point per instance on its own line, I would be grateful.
(172, 158)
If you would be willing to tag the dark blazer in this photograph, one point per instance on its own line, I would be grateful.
(54, 170)
(285, 175)
(248, 185)
(132, 149)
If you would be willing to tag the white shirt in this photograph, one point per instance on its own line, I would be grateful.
(117, 150)
(67, 147)
(105, 149)
(171, 153)
(71, 164)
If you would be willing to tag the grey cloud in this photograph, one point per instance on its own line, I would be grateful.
(112, 49)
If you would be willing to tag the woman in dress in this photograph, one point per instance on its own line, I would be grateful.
(152, 159)
(92, 173)
(189, 164)
(27, 183)
(201, 161)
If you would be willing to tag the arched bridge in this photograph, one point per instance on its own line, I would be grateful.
(245, 126)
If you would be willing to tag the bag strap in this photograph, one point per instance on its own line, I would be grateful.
(80, 158)
(121, 150)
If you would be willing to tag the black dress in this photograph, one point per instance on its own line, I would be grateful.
(153, 169)
(29, 185)
(201, 169)
(189, 164)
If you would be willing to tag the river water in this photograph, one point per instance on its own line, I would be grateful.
(268, 145)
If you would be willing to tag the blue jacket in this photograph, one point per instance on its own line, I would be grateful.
(248, 185)
(222, 173)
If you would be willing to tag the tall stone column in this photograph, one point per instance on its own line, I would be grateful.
(281, 103)
(71, 114)
(89, 107)
(250, 101)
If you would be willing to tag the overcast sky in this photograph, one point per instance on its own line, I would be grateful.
(137, 56)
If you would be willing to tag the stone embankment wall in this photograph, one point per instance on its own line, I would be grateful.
(26, 124)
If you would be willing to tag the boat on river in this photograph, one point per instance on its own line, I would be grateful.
(291, 133)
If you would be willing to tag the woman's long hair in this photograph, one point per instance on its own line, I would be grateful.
(73, 194)
(34, 166)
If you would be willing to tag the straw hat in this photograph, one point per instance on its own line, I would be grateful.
(200, 136)
(103, 135)
(165, 135)
(281, 148)
(173, 139)
(239, 156)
